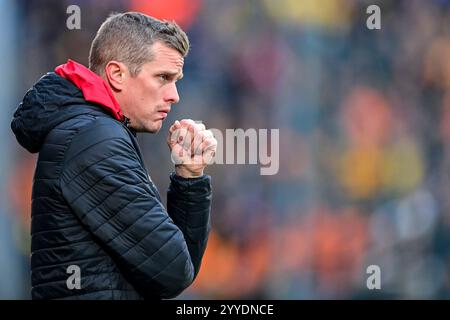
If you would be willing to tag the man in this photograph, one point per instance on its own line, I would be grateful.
(99, 229)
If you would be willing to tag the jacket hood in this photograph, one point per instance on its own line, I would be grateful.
(57, 97)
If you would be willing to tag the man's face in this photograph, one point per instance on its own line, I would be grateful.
(148, 96)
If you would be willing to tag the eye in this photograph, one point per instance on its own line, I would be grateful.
(163, 77)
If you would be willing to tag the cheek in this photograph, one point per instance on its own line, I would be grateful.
(143, 96)
(149, 97)
(133, 94)
(144, 106)
(145, 103)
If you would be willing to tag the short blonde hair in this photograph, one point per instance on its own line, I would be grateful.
(128, 37)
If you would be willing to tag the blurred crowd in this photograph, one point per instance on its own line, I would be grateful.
(364, 120)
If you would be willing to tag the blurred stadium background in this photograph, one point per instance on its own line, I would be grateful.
(364, 120)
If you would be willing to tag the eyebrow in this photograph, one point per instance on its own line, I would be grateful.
(173, 74)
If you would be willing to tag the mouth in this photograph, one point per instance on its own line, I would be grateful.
(163, 113)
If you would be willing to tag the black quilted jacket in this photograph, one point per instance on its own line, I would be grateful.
(95, 207)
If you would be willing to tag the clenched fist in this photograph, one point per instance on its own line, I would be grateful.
(192, 147)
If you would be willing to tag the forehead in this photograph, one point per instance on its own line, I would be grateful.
(165, 57)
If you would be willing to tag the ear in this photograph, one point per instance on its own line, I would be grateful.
(115, 74)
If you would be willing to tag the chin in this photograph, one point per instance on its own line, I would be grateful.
(149, 129)
(150, 126)
(155, 127)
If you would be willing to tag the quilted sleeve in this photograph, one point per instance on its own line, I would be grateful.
(189, 205)
(106, 186)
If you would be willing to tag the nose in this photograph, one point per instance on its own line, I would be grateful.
(171, 94)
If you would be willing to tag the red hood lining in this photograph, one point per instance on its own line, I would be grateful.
(92, 85)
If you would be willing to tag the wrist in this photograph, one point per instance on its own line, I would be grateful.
(183, 172)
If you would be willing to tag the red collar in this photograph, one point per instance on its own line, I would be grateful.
(92, 85)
